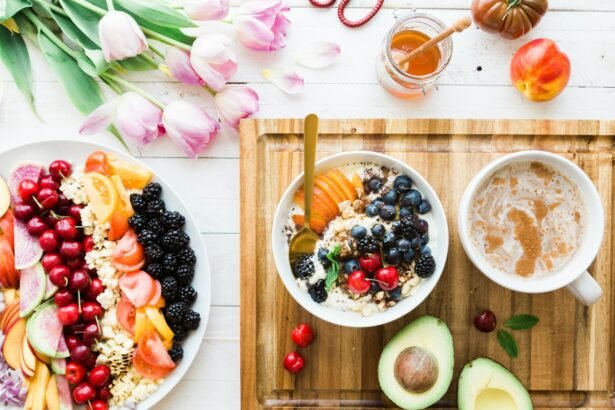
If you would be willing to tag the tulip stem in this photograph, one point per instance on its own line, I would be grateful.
(157, 51)
(52, 6)
(110, 5)
(150, 60)
(165, 39)
(90, 6)
(131, 87)
(48, 33)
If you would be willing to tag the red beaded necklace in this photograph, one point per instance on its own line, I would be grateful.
(342, 7)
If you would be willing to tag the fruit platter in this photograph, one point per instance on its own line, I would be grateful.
(104, 280)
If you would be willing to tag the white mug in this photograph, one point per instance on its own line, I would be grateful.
(573, 275)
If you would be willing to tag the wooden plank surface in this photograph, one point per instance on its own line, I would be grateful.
(565, 361)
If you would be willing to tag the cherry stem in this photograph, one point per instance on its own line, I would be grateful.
(79, 300)
(36, 202)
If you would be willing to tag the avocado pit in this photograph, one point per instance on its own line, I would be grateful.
(416, 369)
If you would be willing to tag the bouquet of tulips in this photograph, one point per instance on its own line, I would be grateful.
(87, 42)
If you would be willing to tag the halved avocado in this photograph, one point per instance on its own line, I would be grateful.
(416, 366)
(486, 385)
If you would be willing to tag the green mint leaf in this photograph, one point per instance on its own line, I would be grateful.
(507, 341)
(333, 271)
(521, 322)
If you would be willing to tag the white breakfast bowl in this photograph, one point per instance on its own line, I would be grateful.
(438, 234)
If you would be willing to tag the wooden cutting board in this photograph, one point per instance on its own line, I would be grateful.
(566, 361)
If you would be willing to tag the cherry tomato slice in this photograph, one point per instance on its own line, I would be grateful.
(97, 162)
(119, 225)
(128, 251)
(145, 369)
(156, 294)
(138, 287)
(152, 350)
(126, 314)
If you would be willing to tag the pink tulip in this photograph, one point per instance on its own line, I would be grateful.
(180, 66)
(261, 24)
(202, 10)
(235, 102)
(120, 36)
(190, 126)
(213, 60)
(135, 118)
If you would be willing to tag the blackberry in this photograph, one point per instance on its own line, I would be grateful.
(153, 253)
(155, 209)
(147, 237)
(169, 289)
(318, 291)
(176, 352)
(179, 334)
(192, 320)
(176, 312)
(186, 257)
(185, 274)
(322, 257)
(175, 240)
(156, 226)
(173, 220)
(169, 263)
(187, 294)
(152, 191)
(425, 265)
(366, 245)
(138, 203)
(137, 222)
(304, 267)
(408, 226)
(155, 270)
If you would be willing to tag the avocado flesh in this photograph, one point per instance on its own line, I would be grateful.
(485, 384)
(432, 335)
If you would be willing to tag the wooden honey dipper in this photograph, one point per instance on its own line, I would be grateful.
(460, 25)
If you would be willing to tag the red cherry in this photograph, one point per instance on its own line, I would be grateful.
(71, 249)
(83, 393)
(48, 240)
(74, 211)
(66, 228)
(293, 362)
(23, 212)
(59, 169)
(91, 333)
(48, 198)
(59, 276)
(73, 341)
(63, 298)
(104, 393)
(69, 314)
(485, 321)
(302, 335)
(74, 264)
(371, 262)
(95, 289)
(91, 310)
(63, 202)
(357, 282)
(88, 244)
(99, 405)
(36, 226)
(50, 260)
(388, 278)
(27, 188)
(79, 280)
(99, 375)
(50, 219)
(75, 372)
(80, 354)
(47, 181)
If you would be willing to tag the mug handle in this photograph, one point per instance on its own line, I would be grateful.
(585, 289)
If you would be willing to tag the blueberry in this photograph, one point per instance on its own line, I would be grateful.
(351, 266)
(424, 239)
(389, 240)
(393, 256)
(374, 287)
(404, 212)
(378, 230)
(322, 257)
(396, 227)
(378, 202)
(424, 207)
(390, 198)
(425, 250)
(402, 183)
(358, 232)
(408, 256)
(421, 225)
(374, 184)
(415, 242)
(371, 210)
(404, 245)
(388, 212)
(395, 294)
(411, 198)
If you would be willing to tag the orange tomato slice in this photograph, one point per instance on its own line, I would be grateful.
(126, 206)
(126, 314)
(138, 287)
(128, 253)
(153, 351)
(119, 225)
(97, 162)
(145, 369)
(102, 194)
(133, 176)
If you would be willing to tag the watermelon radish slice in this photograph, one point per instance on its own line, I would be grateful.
(32, 286)
(58, 366)
(66, 402)
(50, 289)
(25, 170)
(44, 332)
(27, 249)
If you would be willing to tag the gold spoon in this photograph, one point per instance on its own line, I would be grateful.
(304, 241)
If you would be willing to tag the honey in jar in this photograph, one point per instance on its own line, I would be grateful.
(406, 41)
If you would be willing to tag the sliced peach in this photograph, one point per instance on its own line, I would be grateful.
(320, 203)
(357, 183)
(342, 180)
(321, 182)
(335, 186)
(317, 224)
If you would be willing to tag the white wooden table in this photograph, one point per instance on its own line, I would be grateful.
(476, 85)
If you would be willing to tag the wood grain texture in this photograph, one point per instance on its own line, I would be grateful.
(565, 361)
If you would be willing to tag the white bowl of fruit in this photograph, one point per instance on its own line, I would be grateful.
(383, 240)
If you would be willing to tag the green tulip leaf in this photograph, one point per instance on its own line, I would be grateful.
(8, 8)
(156, 12)
(86, 20)
(14, 55)
(137, 63)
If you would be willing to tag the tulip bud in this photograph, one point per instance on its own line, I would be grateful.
(120, 36)
(261, 24)
(202, 10)
(213, 60)
(179, 64)
(236, 102)
(189, 126)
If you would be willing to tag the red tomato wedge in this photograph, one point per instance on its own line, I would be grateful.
(119, 225)
(128, 255)
(156, 294)
(126, 314)
(97, 162)
(152, 350)
(138, 287)
(6, 228)
(145, 369)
